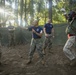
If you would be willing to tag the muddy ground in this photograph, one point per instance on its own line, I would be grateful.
(14, 62)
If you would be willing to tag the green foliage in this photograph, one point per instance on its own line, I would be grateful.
(28, 10)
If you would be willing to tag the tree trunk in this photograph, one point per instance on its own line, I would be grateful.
(45, 11)
(50, 9)
(16, 11)
(21, 11)
(70, 4)
(25, 18)
(31, 11)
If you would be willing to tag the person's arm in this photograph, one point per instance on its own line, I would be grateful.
(45, 30)
(39, 34)
(53, 32)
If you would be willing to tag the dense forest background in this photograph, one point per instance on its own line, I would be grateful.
(23, 12)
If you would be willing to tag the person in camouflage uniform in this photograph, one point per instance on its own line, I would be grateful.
(71, 32)
(36, 43)
(11, 30)
(49, 33)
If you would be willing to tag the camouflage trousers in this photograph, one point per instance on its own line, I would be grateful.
(68, 48)
(11, 39)
(36, 44)
(47, 42)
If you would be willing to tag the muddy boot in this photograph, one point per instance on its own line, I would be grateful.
(43, 62)
(28, 62)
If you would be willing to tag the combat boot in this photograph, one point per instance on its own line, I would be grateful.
(28, 62)
(43, 62)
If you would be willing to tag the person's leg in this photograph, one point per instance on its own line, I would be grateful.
(39, 50)
(45, 43)
(32, 50)
(67, 48)
(49, 43)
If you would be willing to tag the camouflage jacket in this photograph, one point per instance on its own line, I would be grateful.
(71, 29)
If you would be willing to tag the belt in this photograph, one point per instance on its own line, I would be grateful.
(71, 34)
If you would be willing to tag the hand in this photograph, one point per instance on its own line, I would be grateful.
(73, 18)
(53, 36)
(33, 31)
(46, 35)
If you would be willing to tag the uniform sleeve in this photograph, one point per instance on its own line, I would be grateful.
(30, 28)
